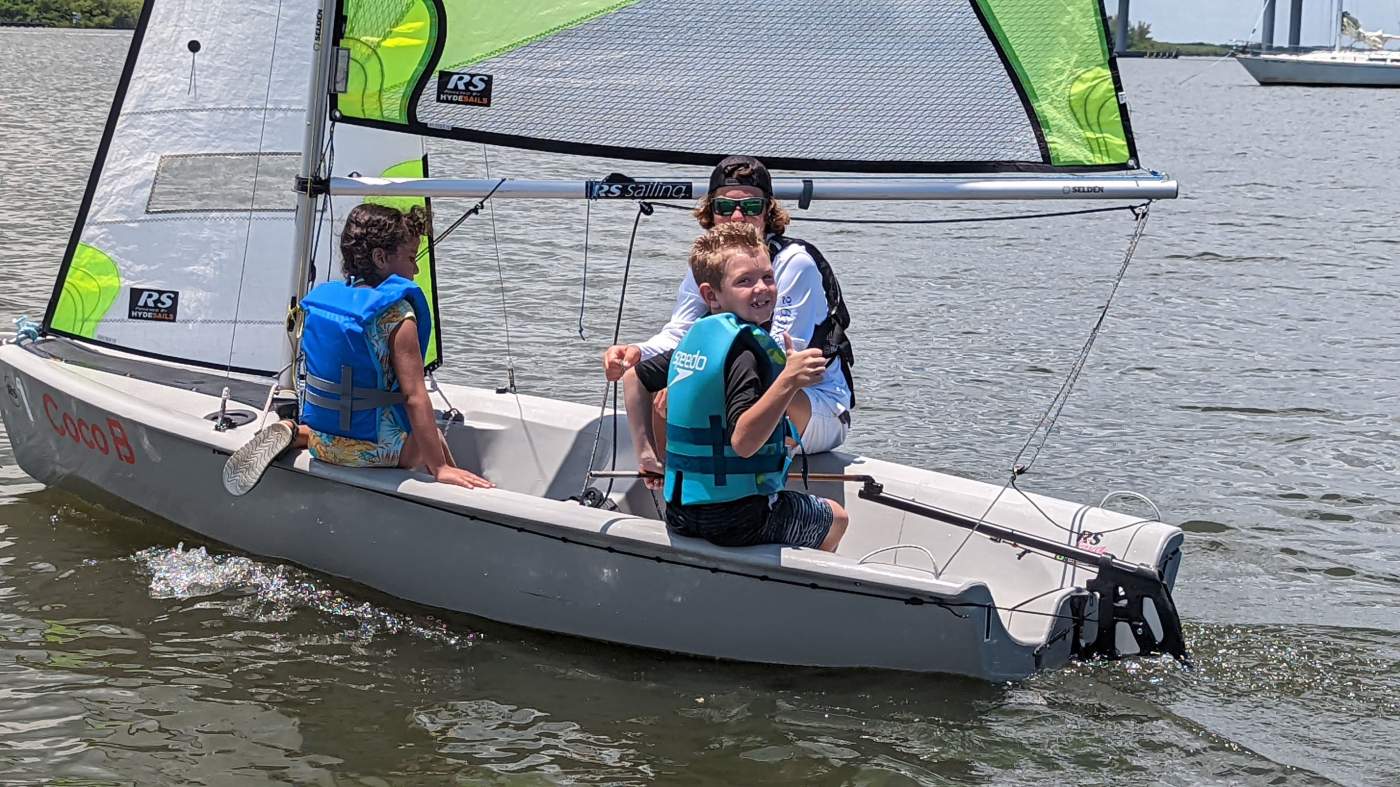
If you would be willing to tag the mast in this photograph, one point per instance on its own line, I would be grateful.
(317, 111)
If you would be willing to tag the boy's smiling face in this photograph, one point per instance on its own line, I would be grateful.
(748, 289)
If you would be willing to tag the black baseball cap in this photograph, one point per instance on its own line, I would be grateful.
(741, 171)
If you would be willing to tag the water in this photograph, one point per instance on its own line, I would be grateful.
(1245, 380)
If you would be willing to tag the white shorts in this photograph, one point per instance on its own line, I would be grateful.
(827, 428)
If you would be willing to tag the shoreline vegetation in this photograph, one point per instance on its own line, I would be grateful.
(110, 14)
(1141, 43)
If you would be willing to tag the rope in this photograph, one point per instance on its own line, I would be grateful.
(643, 209)
(472, 211)
(500, 274)
(26, 328)
(1057, 404)
(963, 220)
(583, 296)
(451, 412)
(271, 396)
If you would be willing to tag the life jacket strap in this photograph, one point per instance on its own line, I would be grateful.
(724, 466)
(348, 399)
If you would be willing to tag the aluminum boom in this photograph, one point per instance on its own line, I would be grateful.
(1104, 187)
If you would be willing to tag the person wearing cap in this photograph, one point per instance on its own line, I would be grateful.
(810, 310)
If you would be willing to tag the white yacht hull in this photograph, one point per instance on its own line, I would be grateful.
(1380, 70)
(522, 555)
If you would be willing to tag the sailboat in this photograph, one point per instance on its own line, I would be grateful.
(1366, 64)
(239, 131)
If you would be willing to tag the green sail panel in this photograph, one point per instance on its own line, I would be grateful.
(1058, 50)
(427, 269)
(88, 291)
(900, 86)
(390, 42)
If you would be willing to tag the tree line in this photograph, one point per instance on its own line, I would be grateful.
(1140, 40)
(71, 13)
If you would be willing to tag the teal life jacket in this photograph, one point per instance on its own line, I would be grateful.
(346, 387)
(701, 465)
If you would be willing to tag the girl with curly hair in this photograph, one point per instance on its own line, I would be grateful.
(365, 403)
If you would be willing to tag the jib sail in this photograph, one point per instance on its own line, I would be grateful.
(182, 245)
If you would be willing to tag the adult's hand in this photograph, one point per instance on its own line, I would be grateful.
(619, 358)
(653, 472)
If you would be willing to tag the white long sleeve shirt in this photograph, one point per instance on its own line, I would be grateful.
(800, 308)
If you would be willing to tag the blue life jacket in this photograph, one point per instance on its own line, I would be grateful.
(346, 387)
(701, 465)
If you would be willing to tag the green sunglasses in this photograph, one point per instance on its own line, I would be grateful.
(751, 206)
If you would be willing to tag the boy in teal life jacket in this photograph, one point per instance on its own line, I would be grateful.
(364, 403)
(728, 387)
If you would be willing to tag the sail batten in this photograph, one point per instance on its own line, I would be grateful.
(908, 86)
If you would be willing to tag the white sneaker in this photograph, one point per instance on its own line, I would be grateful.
(245, 468)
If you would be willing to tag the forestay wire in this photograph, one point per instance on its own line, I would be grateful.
(1046, 424)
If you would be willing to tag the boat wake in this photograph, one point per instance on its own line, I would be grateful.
(266, 592)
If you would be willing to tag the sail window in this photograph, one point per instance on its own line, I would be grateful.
(224, 182)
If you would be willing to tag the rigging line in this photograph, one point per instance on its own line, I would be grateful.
(1057, 404)
(643, 209)
(328, 158)
(1248, 38)
(583, 296)
(253, 197)
(472, 211)
(500, 275)
(964, 220)
(1071, 530)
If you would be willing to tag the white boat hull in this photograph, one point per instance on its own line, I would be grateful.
(517, 556)
(1381, 70)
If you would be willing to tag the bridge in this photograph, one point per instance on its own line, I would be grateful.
(1295, 25)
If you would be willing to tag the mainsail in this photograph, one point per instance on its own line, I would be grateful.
(182, 246)
(962, 86)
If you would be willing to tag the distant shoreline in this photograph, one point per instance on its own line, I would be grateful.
(44, 26)
(73, 14)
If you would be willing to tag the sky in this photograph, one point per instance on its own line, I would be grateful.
(1223, 20)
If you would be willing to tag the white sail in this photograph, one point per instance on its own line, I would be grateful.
(182, 248)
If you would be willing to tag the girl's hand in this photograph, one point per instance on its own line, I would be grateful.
(448, 474)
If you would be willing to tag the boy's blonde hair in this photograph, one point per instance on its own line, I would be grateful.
(712, 250)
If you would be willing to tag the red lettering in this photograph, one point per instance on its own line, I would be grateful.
(70, 427)
(99, 438)
(50, 409)
(120, 443)
(83, 432)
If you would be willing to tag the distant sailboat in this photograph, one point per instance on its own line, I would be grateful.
(240, 128)
(1367, 64)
